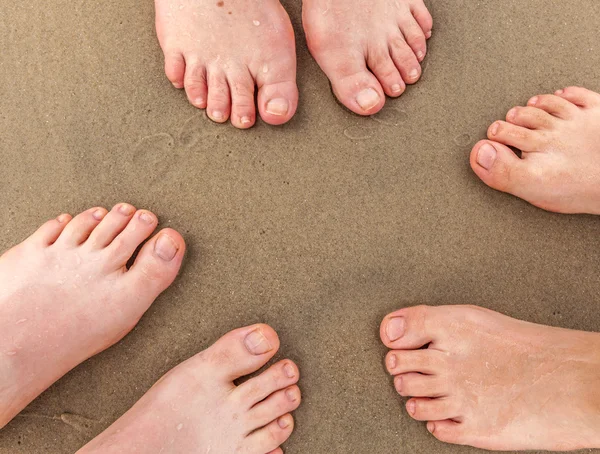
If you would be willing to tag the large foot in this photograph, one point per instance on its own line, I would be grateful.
(197, 408)
(66, 294)
(493, 382)
(367, 48)
(219, 51)
(559, 169)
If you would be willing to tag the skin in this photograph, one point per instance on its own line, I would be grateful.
(220, 51)
(493, 382)
(66, 294)
(368, 48)
(197, 408)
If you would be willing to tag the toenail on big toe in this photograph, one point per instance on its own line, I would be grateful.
(486, 156)
(395, 328)
(256, 343)
(367, 99)
(165, 248)
(278, 106)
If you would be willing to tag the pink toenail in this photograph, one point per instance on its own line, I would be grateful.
(63, 218)
(126, 209)
(395, 328)
(486, 155)
(392, 361)
(246, 120)
(512, 113)
(411, 407)
(398, 384)
(165, 247)
(420, 55)
(291, 395)
(278, 106)
(257, 343)
(289, 371)
(431, 427)
(559, 92)
(283, 422)
(199, 102)
(428, 34)
(217, 115)
(494, 129)
(413, 74)
(396, 88)
(533, 101)
(367, 99)
(146, 217)
(98, 215)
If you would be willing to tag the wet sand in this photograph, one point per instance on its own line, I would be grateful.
(318, 228)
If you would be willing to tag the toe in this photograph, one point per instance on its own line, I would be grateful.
(425, 409)
(531, 117)
(580, 96)
(113, 224)
(277, 90)
(195, 83)
(175, 68)
(447, 431)
(413, 35)
(425, 361)
(277, 377)
(422, 16)
(243, 112)
(554, 105)
(410, 328)
(500, 168)
(522, 138)
(276, 405)
(418, 385)
(157, 263)
(139, 228)
(81, 226)
(405, 59)
(218, 106)
(381, 64)
(276, 451)
(271, 436)
(48, 233)
(241, 352)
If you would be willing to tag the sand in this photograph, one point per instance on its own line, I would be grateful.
(318, 228)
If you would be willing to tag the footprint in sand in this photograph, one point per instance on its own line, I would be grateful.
(388, 116)
(462, 140)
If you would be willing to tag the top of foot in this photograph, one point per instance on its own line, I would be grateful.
(219, 50)
(559, 136)
(368, 48)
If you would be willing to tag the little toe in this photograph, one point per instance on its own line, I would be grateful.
(243, 111)
(81, 226)
(410, 328)
(380, 63)
(419, 385)
(49, 232)
(241, 352)
(447, 431)
(271, 436)
(580, 96)
(276, 405)
(519, 137)
(422, 16)
(426, 409)
(175, 68)
(112, 224)
(196, 87)
(425, 361)
(275, 378)
(413, 35)
(218, 106)
(404, 59)
(554, 105)
(531, 117)
(277, 91)
(139, 228)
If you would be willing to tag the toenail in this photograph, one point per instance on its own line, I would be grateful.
(289, 371)
(395, 328)
(392, 361)
(396, 88)
(291, 395)
(283, 422)
(199, 101)
(63, 218)
(256, 343)
(494, 129)
(126, 209)
(559, 92)
(411, 407)
(431, 427)
(533, 101)
(367, 99)
(428, 34)
(420, 55)
(512, 113)
(486, 155)
(217, 115)
(246, 120)
(99, 214)
(278, 106)
(413, 74)
(146, 217)
(398, 384)
(165, 247)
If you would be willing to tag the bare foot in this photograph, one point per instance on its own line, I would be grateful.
(560, 165)
(367, 47)
(66, 294)
(220, 49)
(197, 408)
(493, 382)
